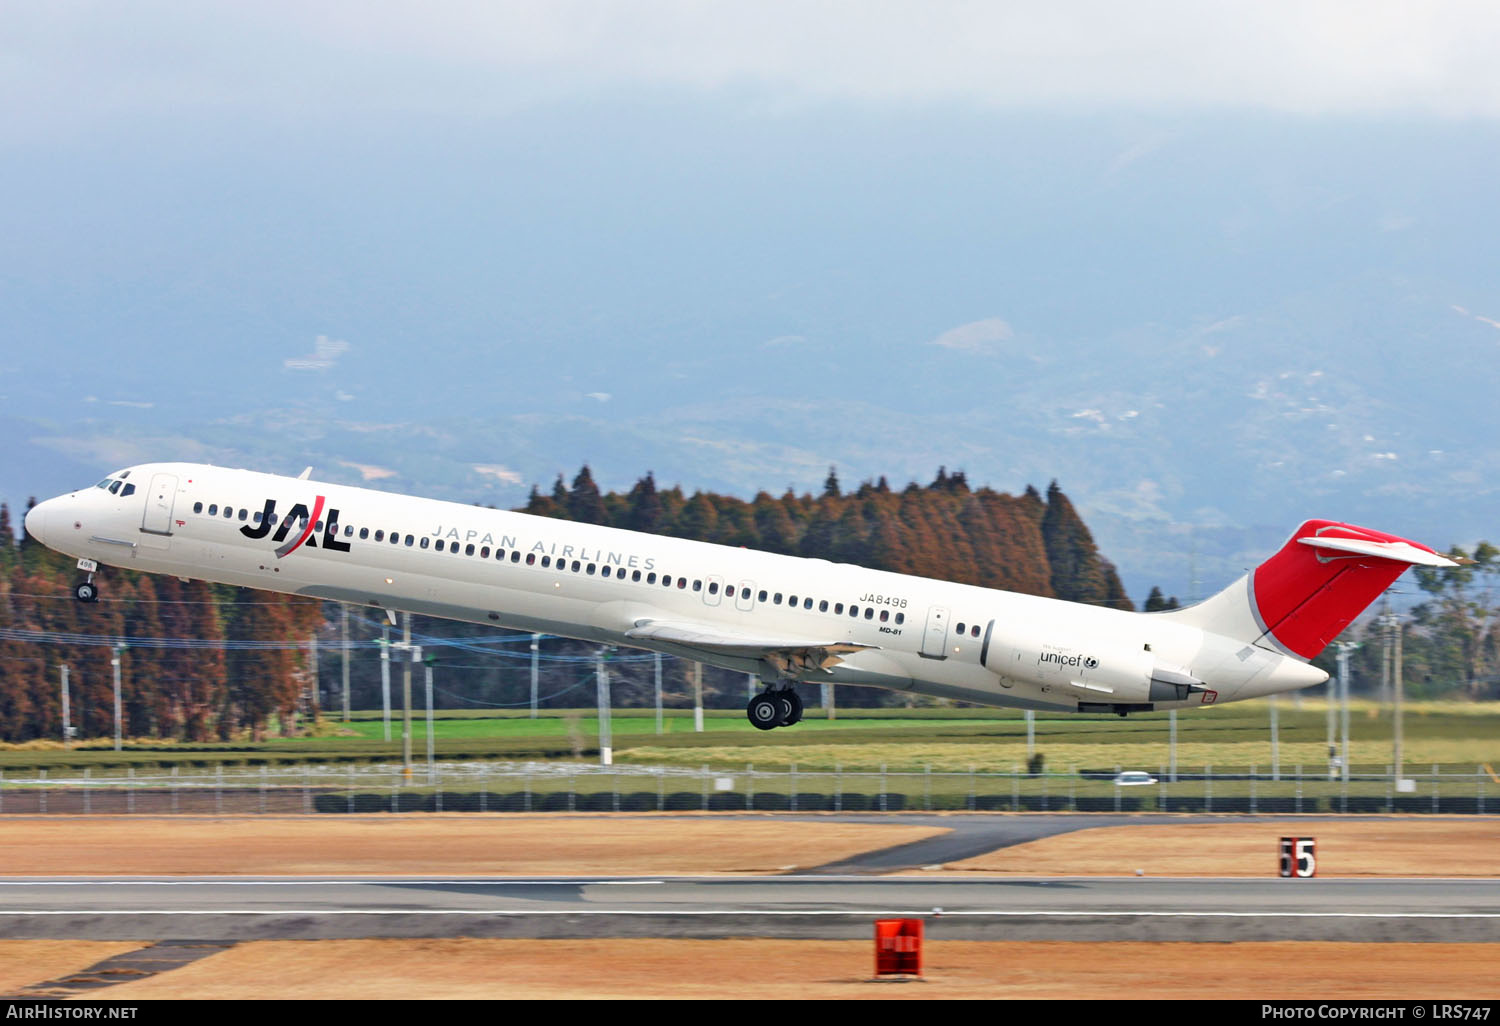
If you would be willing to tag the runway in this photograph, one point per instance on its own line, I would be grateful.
(812, 906)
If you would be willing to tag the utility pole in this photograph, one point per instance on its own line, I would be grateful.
(601, 678)
(1275, 741)
(697, 698)
(1345, 647)
(406, 695)
(1333, 751)
(536, 650)
(431, 742)
(1395, 631)
(385, 677)
(658, 692)
(344, 632)
(1030, 735)
(316, 682)
(1172, 745)
(114, 662)
(67, 719)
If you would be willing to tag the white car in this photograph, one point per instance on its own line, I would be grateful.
(1131, 778)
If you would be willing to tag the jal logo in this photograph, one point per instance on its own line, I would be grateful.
(287, 543)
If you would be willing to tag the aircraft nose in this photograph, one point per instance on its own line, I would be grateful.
(36, 521)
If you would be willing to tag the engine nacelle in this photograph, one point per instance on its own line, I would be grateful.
(1091, 670)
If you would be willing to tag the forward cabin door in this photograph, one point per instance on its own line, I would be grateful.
(159, 499)
(935, 637)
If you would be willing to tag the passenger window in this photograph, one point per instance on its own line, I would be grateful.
(364, 532)
(885, 614)
(697, 585)
(960, 627)
(650, 578)
(379, 535)
(484, 552)
(838, 609)
(666, 580)
(469, 550)
(853, 610)
(590, 569)
(316, 527)
(823, 606)
(900, 618)
(762, 597)
(635, 575)
(423, 543)
(974, 631)
(576, 565)
(213, 510)
(515, 557)
(546, 561)
(791, 600)
(409, 540)
(776, 599)
(869, 612)
(807, 603)
(681, 582)
(228, 513)
(713, 588)
(197, 506)
(531, 559)
(605, 570)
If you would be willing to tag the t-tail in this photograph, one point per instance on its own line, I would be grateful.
(1298, 601)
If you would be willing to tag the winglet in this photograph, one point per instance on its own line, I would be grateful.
(307, 473)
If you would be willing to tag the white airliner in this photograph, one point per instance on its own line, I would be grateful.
(783, 618)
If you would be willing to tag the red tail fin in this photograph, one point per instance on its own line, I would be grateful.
(1325, 576)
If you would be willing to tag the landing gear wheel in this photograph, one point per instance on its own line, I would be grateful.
(764, 711)
(86, 591)
(791, 707)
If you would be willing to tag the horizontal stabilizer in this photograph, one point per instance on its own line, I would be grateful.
(1399, 551)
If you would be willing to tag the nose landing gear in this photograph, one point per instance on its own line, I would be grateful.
(780, 707)
(86, 590)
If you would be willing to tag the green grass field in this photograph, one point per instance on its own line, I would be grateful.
(1234, 738)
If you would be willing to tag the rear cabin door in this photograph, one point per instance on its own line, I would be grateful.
(159, 499)
(935, 637)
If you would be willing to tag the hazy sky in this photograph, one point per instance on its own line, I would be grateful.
(401, 212)
(70, 66)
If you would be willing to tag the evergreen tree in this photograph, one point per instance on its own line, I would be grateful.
(585, 506)
(831, 485)
(645, 512)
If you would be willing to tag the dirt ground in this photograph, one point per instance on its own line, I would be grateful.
(778, 969)
(1389, 847)
(455, 844)
(461, 844)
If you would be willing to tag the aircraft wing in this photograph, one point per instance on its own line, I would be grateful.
(792, 657)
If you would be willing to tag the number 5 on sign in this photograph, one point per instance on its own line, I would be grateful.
(1299, 856)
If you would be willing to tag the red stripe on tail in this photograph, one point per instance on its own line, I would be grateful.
(1305, 596)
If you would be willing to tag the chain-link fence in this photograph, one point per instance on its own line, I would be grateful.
(480, 787)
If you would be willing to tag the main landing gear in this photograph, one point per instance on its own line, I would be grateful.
(780, 707)
(86, 590)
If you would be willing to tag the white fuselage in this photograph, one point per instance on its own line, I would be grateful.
(381, 550)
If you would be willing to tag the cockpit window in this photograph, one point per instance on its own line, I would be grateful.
(105, 483)
(130, 490)
(114, 488)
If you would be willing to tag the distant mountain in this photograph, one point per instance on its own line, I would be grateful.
(1191, 448)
